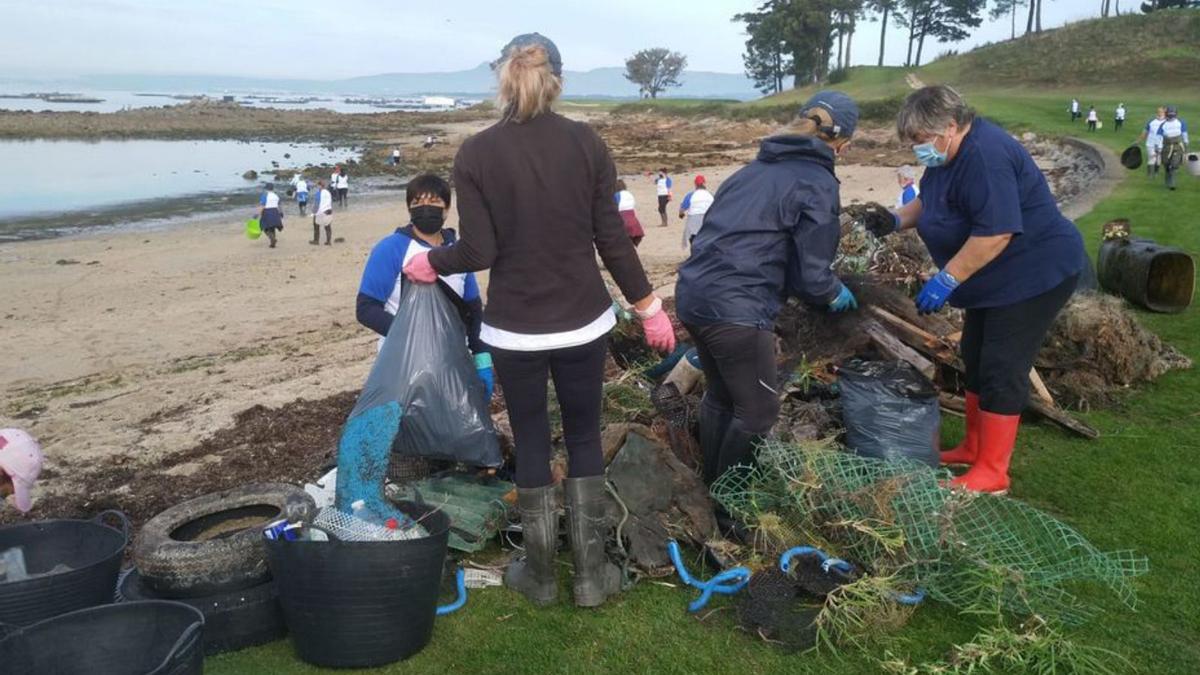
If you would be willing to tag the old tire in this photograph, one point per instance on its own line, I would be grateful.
(232, 621)
(213, 544)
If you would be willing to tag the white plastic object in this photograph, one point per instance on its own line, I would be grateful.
(476, 578)
(1193, 163)
(12, 565)
(346, 527)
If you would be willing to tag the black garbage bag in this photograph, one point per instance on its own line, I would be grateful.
(890, 410)
(426, 368)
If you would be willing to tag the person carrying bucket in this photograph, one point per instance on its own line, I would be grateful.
(535, 205)
(270, 216)
(1173, 142)
(20, 464)
(1153, 141)
(772, 232)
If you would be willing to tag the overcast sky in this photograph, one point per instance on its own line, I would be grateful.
(329, 39)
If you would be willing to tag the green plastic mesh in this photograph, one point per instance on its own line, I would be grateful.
(979, 553)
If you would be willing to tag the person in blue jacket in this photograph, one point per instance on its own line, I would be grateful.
(1006, 255)
(771, 232)
(382, 283)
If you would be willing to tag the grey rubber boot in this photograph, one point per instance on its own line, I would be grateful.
(595, 577)
(534, 575)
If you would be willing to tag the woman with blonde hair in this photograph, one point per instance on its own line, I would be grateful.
(772, 232)
(535, 205)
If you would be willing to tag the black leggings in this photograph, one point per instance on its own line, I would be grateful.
(739, 366)
(999, 345)
(662, 204)
(578, 374)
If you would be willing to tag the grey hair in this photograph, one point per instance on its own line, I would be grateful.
(929, 110)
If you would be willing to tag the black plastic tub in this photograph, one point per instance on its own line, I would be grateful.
(1159, 278)
(361, 604)
(92, 551)
(155, 637)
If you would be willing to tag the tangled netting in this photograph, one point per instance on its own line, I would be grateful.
(978, 553)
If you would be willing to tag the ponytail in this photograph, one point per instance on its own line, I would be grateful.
(527, 84)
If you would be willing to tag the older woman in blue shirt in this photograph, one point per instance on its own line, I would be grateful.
(1006, 255)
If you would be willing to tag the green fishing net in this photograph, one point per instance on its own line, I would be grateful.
(979, 553)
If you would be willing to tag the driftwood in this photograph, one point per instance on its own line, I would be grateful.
(940, 350)
(894, 348)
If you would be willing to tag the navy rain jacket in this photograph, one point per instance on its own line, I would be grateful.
(772, 232)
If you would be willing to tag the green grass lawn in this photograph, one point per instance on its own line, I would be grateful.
(1137, 487)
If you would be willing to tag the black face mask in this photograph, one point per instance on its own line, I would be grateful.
(427, 219)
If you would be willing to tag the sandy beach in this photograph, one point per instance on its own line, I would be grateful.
(128, 347)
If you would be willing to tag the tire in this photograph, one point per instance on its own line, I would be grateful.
(213, 544)
(232, 621)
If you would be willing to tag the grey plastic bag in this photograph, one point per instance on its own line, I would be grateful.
(890, 410)
(425, 366)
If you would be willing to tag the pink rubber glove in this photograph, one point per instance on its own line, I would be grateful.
(419, 270)
(660, 334)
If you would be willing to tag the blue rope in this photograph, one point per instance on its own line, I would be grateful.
(460, 580)
(828, 563)
(725, 583)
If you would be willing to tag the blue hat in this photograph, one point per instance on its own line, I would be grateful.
(841, 108)
(534, 39)
(1172, 111)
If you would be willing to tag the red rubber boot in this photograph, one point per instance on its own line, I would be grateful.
(997, 437)
(968, 450)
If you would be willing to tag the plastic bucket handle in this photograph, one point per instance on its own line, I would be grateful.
(121, 518)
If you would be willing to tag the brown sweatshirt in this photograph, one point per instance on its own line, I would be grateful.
(535, 204)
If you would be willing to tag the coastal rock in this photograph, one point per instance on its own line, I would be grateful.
(250, 175)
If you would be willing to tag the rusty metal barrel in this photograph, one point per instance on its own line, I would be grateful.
(1159, 278)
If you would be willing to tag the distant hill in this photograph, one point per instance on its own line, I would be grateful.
(477, 82)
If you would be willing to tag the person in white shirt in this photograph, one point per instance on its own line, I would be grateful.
(694, 205)
(323, 215)
(1074, 109)
(301, 188)
(626, 206)
(906, 177)
(270, 216)
(1173, 143)
(339, 185)
(662, 188)
(1119, 117)
(1153, 145)
(1092, 118)
(396, 157)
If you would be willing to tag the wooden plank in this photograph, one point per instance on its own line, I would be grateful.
(893, 348)
(1039, 387)
(1062, 418)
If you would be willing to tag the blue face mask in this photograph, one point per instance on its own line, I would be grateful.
(928, 154)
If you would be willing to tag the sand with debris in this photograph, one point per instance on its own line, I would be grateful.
(128, 348)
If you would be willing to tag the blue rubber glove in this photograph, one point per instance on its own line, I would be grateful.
(935, 293)
(844, 301)
(483, 366)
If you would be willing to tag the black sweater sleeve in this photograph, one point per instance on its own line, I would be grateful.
(371, 313)
(474, 321)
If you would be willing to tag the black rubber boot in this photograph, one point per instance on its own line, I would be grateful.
(328, 235)
(714, 422)
(533, 576)
(316, 234)
(737, 448)
(595, 577)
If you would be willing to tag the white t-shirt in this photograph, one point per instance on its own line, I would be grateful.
(396, 154)
(270, 201)
(528, 342)
(1153, 140)
(1092, 116)
(301, 185)
(343, 181)
(324, 201)
(698, 202)
(662, 187)
(1074, 106)
(625, 201)
(1121, 112)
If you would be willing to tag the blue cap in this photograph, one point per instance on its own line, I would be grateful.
(1172, 111)
(840, 107)
(534, 39)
